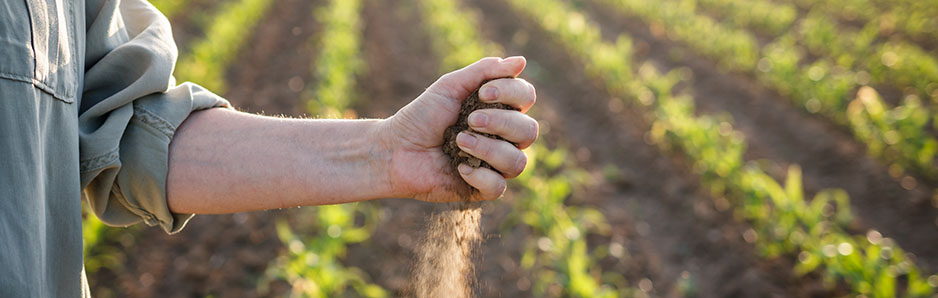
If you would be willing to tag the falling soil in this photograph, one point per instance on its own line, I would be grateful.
(445, 260)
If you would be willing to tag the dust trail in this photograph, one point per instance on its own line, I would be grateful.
(445, 263)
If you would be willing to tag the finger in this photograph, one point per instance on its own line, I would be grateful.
(460, 83)
(501, 155)
(490, 184)
(514, 126)
(517, 93)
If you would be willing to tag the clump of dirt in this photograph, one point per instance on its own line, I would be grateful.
(445, 260)
(469, 105)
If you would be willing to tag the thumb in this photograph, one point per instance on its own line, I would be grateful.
(460, 83)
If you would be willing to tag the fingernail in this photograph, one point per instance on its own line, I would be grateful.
(478, 119)
(466, 140)
(488, 93)
(464, 169)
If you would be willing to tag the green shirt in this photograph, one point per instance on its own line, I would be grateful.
(88, 107)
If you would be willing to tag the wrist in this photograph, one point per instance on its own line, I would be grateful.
(381, 153)
(394, 149)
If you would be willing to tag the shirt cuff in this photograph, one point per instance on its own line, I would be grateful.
(144, 152)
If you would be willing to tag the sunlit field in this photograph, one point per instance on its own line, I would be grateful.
(688, 148)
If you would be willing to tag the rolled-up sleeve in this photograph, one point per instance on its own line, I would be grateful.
(129, 111)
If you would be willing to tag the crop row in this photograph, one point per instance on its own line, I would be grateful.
(899, 133)
(894, 63)
(783, 222)
(912, 19)
(207, 60)
(896, 135)
(339, 62)
(313, 265)
(765, 16)
(557, 256)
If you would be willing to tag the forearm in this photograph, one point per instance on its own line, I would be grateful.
(222, 161)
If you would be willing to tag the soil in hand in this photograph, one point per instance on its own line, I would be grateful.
(469, 105)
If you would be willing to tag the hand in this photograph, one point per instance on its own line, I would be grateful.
(414, 135)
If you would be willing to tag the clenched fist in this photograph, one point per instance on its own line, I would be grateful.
(414, 135)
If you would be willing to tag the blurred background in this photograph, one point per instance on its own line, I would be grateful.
(688, 148)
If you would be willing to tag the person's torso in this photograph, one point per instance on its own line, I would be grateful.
(41, 69)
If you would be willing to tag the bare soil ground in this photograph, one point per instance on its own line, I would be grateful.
(671, 233)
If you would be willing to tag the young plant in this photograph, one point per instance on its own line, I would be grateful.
(339, 63)
(313, 265)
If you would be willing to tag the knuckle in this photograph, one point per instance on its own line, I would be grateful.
(448, 76)
(516, 86)
(489, 60)
(484, 147)
(497, 84)
(503, 122)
